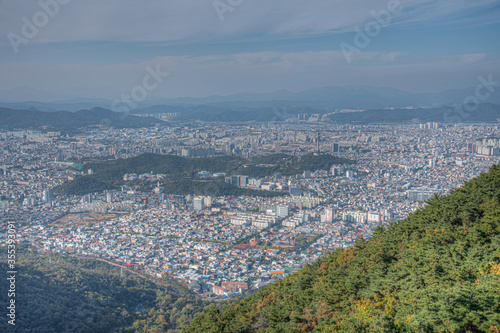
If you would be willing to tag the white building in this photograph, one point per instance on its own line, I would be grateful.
(199, 204)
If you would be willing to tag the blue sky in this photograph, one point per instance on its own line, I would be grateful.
(99, 48)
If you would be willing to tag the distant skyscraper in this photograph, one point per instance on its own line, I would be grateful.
(87, 198)
(180, 200)
(335, 171)
(317, 143)
(243, 180)
(47, 195)
(168, 205)
(328, 215)
(199, 204)
(255, 146)
(277, 148)
(282, 211)
(29, 202)
(233, 180)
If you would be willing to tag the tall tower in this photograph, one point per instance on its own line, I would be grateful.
(317, 144)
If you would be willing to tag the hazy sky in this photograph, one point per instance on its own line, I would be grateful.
(103, 47)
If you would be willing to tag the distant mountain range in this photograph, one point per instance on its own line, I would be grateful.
(227, 113)
(325, 98)
(63, 120)
(445, 114)
(349, 97)
(379, 105)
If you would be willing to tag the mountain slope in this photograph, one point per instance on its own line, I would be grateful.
(62, 293)
(109, 175)
(485, 113)
(350, 97)
(436, 271)
(63, 120)
(322, 98)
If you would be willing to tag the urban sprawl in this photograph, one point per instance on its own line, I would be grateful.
(225, 246)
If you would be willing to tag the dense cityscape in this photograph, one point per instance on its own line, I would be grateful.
(222, 246)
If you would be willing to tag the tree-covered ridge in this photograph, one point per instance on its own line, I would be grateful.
(64, 120)
(163, 164)
(486, 112)
(436, 271)
(61, 293)
(214, 188)
(109, 175)
(290, 165)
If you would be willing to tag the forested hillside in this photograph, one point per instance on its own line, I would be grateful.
(109, 175)
(59, 293)
(63, 120)
(485, 113)
(436, 271)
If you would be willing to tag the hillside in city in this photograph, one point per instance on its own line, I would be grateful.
(62, 293)
(63, 120)
(109, 175)
(214, 188)
(436, 271)
(290, 165)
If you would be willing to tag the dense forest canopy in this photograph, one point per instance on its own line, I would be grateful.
(62, 293)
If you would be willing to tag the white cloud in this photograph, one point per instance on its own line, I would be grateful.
(195, 20)
(468, 58)
(155, 23)
(446, 10)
